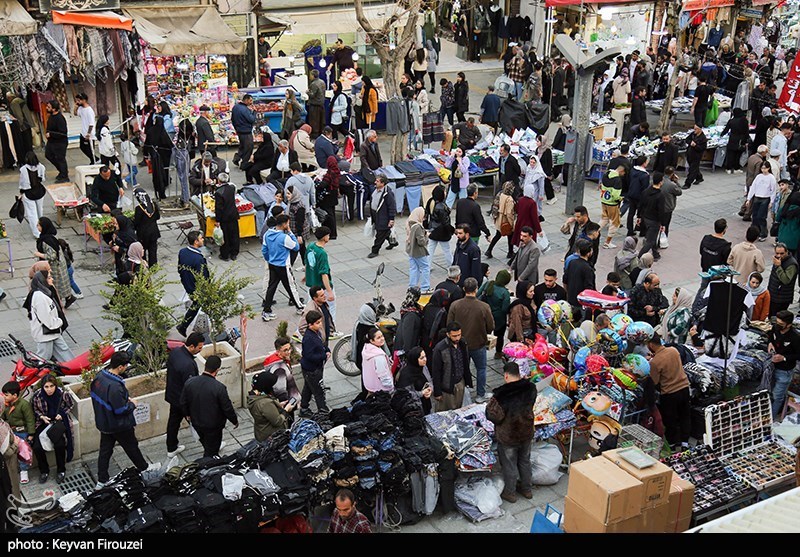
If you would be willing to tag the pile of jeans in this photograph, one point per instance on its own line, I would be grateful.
(406, 403)
(751, 364)
(363, 454)
(307, 448)
(715, 373)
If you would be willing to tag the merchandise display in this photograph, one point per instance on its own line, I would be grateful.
(204, 208)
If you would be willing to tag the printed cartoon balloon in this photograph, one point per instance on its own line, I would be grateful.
(564, 383)
(577, 339)
(596, 403)
(549, 314)
(539, 350)
(517, 350)
(639, 332)
(595, 363)
(620, 322)
(610, 342)
(636, 364)
(580, 357)
(624, 378)
(566, 311)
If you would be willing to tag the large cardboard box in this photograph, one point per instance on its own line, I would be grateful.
(654, 519)
(656, 478)
(605, 491)
(681, 501)
(578, 520)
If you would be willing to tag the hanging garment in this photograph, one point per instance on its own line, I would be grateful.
(73, 50)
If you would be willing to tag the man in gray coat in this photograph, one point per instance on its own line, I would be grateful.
(316, 104)
(205, 134)
(526, 263)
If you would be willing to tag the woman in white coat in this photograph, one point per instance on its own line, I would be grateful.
(47, 319)
(32, 190)
(533, 184)
(338, 108)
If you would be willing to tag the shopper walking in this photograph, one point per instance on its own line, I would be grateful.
(495, 293)
(652, 216)
(746, 258)
(477, 323)
(145, 220)
(32, 190)
(762, 192)
(191, 262)
(467, 255)
(461, 90)
(86, 114)
(737, 140)
(207, 406)
(48, 248)
(383, 214)
(671, 191)
(610, 199)
(440, 231)
(419, 272)
(318, 268)
(637, 184)
(505, 216)
(510, 409)
(448, 100)
(113, 416)
(278, 242)
(181, 366)
(694, 154)
(525, 265)
(57, 139)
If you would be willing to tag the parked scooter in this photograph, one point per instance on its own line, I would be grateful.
(386, 324)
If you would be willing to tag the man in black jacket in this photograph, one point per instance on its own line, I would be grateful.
(667, 154)
(694, 154)
(204, 172)
(648, 303)
(582, 229)
(509, 167)
(228, 217)
(383, 209)
(580, 276)
(57, 138)
(106, 192)
(469, 212)
(450, 370)
(653, 215)
(638, 109)
(113, 416)
(468, 134)
(205, 134)
(207, 406)
(451, 283)
(467, 255)
(181, 366)
(638, 183)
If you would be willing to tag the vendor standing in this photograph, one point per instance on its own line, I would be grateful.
(316, 104)
(228, 217)
(342, 57)
(784, 347)
(666, 371)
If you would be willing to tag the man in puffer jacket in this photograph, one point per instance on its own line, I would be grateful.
(113, 416)
(511, 410)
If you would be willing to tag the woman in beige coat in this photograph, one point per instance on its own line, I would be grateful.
(302, 143)
(506, 216)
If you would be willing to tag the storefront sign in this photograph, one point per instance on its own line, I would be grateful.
(694, 5)
(77, 5)
(752, 13)
(790, 96)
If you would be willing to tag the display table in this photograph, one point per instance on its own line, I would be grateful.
(207, 220)
(90, 232)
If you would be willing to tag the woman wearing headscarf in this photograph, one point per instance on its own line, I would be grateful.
(433, 59)
(377, 370)
(365, 321)
(414, 376)
(292, 115)
(605, 96)
(789, 222)
(169, 123)
(269, 415)
(757, 287)
(369, 101)
(338, 111)
(121, 239)
(9, 471)
(105, 145)
(145, 222)
(626, 261)
(545, 154)
(48, 248)
(504, 222)
(47, 319)
(560, 142)
(32, 191)
(301, 142)
(53, 405)
(497, 296)
(409, 330)
(328, 194)
(434, 318)
(677, 319)
(533, 183)
(645, 267)
(419, 261)
(739, 129)
(160, 145)
(136, 260)
(521, 313)
(621, 87)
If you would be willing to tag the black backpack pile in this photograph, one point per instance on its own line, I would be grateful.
(180, 514)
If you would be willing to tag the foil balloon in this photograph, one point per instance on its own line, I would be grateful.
(636, 364)
(577, 339)
(557, 353)
(579, 361)
(566, 311)
(596, 363)
(639, 332)
(564, 383)
(624, 378)
(517, 350)
(620, 322)
(596, 403)
(539, 350)
(549, 314)
(610, 341)
(547, 369)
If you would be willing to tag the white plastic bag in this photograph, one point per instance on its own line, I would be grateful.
(663, 241)
(467, 398)
(314, 220)
(368, 230)
(545, 461)
(45, 441)
(544, 242)
(219, 237)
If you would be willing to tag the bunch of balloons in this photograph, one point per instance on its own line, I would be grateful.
(639, 332)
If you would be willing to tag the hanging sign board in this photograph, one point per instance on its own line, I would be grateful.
(77, 5)
(752, 13)
(790, 95)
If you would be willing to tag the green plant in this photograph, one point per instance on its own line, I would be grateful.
(95, 360)
(218, 297)
(144, 319)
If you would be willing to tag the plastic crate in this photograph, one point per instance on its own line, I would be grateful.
(635, 435)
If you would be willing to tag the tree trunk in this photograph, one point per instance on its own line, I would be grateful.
(665, 116)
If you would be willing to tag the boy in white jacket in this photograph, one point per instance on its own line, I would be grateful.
(129, 152)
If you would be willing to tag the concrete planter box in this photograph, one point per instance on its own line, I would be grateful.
(230, 373)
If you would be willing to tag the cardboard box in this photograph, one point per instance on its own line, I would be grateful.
(656, 478)
(681, 501)
(654, 519)
(605, 491)
(578, 520)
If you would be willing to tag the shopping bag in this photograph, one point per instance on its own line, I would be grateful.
(393, 238)
(17, 209)
(712, 114)
(368, 230)
(544, 242)
(543, 525)
(219, 237)
(314, 220)
(44, 439)
(24, 452)
(663, 241)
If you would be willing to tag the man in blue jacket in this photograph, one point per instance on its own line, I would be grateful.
(639, 181)
(191, 260)
(467, 256)
(278, 244)
(312, 364)
(490, 109)
(113, 416)
(243, 118)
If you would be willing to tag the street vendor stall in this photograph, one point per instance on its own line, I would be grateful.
(204, 207)
(268, 107)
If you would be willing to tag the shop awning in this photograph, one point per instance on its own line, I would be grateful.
(186, 30)
(556, 3)
(103, 20)
(694, 5)
(14, 20)
(334, 19)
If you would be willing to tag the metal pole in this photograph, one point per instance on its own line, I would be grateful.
(581, 112)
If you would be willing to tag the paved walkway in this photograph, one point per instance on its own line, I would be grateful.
(352, 272)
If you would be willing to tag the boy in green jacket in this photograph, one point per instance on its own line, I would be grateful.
(18, 413)
(610, 198)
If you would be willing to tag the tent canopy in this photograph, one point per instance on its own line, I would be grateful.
(103, 20)
(14, 20)
(555, 3)
(186, 30)
(335, 19)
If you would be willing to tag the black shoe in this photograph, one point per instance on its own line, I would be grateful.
(685, 187)
(390, 246)
(488, 255)
(699, 180)
(541, 218)
(656, 258)
(69, 301)
(372, 254)
(305, 413)
(3, 296)
(61, 477)
(233, 257)
(62, 180)
(745, 219)
(181, 331)
(224, 258)
(43, 477)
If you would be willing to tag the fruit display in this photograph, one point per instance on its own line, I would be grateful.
(272, 106)
(242, 204)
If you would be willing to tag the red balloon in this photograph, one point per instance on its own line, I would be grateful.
(595, 363)
(540, 351)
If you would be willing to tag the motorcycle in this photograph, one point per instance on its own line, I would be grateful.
(30, 368)
(385, 323)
